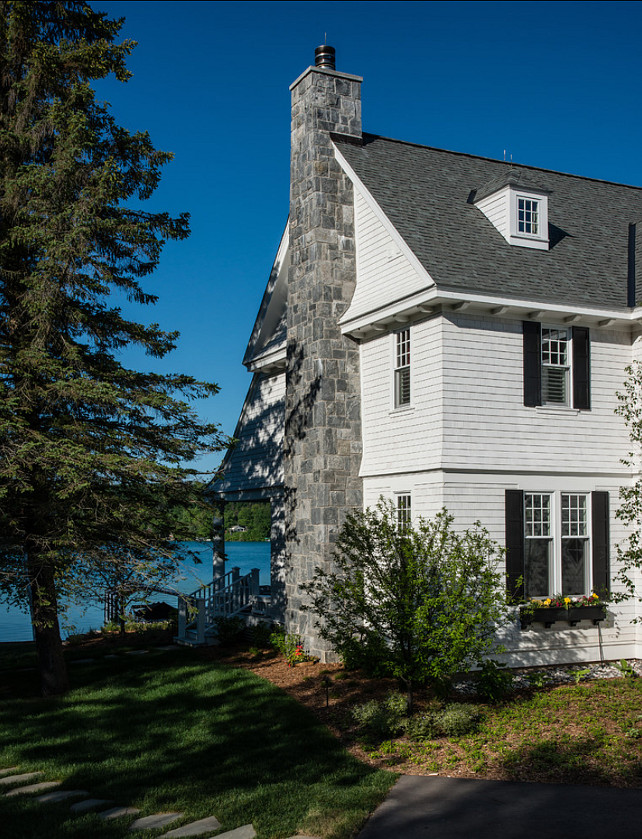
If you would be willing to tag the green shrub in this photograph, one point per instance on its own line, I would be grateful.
(458, 719)
(229, 630)
(454, 720)
(494, 683)
(422, 726)
(381, 719)
(289, 645)
(420, 602)
(260, 634)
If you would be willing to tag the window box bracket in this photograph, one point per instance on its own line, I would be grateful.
(572, 616)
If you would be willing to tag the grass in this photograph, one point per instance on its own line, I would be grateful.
(171, 731)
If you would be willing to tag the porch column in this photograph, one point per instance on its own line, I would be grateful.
(218, 541)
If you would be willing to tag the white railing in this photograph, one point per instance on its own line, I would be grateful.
(224, 597)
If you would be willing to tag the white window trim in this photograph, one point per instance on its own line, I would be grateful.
(406, 405)
(555, 558)
(558, 406)
(398, 497)
(528, 240)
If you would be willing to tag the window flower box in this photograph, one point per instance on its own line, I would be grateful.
(586, 613)
(562, 609)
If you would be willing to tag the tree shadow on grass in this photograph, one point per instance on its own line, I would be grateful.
(576, 761)
(193, 736)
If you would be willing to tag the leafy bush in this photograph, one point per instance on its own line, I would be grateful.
(453, 720)
(229, 630)
(381, 719)
(420, 603)
(289, 645)
(458, 719)
(494, 683)
(260, 634)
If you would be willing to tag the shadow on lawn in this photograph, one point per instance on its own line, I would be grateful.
(176, 732)
(577, 761)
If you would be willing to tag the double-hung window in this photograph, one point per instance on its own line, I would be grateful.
(402, 368)
(557, 543)
(404, 512)
(556, 366)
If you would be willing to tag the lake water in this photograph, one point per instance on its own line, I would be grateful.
(16, 626)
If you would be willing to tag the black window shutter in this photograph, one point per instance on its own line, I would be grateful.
(515, 544)
(600, 503)
(581, 368)
(532, 363)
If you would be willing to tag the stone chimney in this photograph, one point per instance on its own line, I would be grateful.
(322, 446)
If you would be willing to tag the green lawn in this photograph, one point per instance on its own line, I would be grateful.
(169, 731)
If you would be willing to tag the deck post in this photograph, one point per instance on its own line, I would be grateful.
(200, 620)
(182, 618)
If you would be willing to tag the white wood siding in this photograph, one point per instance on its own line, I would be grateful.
(384, 273)
(255, 463)
(487, 426)
(473, 497)
(481, 498)
(408, 438)
(496, 208)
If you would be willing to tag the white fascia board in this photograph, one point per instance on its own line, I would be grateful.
(511, 307)
(384, 220)
(275, 358)
(265, 302)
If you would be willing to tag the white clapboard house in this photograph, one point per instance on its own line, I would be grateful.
(447, 331)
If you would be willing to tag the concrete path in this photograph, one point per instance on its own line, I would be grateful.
(425, 807)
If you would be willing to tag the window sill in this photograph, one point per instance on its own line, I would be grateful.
(557, 410)
(402, 409)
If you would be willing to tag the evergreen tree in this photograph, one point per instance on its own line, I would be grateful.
(92, 454)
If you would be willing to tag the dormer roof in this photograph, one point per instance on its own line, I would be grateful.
(513, 177)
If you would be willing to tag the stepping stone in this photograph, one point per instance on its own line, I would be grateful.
(61, 795)
(90, 804)
(19, 779)
(10, 770)
(112, 656)
(245, 832)
(117, 813)
(169, 647)
(194, 828)
(41, 787)
(136, 652)
(157, 820)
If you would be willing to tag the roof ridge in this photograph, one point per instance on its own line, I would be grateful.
(510, 164)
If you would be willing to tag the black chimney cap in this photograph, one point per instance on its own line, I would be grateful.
(324, 57)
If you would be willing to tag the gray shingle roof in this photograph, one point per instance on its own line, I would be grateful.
(427, 194)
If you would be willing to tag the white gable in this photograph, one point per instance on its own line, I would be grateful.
(387, 271)
(266, 347)
(253, 465)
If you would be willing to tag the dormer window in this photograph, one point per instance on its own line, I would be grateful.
(517, 208)
(528, 216)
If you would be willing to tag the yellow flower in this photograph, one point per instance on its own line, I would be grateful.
(547, 602)
(595, 596)
(567, 600)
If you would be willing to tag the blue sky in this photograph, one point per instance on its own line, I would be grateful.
(554, 84)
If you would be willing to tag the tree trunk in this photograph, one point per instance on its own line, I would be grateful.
(44, 617)
(121, 616)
